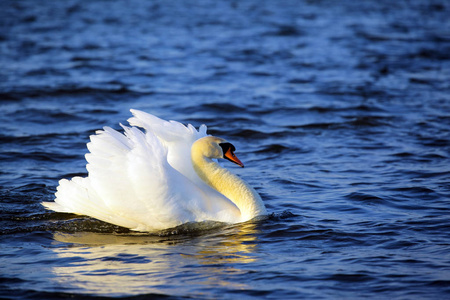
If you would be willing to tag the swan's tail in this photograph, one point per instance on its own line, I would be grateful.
(75, 196)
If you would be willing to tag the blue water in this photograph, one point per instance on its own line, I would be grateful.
(340, 111)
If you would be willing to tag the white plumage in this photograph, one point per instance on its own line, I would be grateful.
(151, 181)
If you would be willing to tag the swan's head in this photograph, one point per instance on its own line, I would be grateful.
(215, 147)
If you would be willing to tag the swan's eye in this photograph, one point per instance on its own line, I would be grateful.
(228, 153)
(226, 147)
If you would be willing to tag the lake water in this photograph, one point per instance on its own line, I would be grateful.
(340, 111)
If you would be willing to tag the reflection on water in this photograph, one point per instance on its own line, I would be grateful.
(133, 264)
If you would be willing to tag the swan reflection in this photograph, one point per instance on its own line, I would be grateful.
(108, 264)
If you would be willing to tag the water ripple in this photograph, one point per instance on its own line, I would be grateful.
(339, 110)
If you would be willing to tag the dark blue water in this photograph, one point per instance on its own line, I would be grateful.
(340, 111)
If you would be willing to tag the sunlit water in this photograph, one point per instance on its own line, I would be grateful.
(340, 111)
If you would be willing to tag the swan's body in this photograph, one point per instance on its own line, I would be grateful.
(159, 179)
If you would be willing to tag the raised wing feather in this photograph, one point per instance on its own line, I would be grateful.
(176, 137)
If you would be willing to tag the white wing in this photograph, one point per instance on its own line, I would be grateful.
(143, 181)
(175, 136)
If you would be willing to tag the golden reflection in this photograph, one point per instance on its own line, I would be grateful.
(108, 264)
(235, 246)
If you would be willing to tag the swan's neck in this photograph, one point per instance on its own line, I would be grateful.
(231, 186)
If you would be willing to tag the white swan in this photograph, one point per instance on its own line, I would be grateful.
(159, 179)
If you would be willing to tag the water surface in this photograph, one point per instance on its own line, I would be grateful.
(340, 112)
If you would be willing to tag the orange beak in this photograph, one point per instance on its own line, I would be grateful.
(231, 157)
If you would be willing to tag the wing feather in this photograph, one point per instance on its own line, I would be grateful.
(176, 137)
